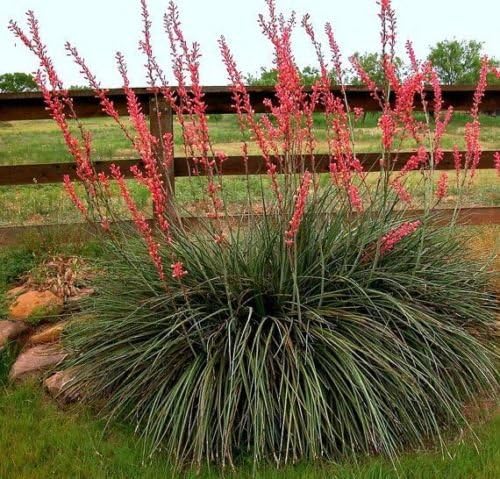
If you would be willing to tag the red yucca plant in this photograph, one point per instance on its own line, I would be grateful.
(337, 322)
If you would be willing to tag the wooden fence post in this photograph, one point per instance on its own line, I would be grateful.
(161, 121)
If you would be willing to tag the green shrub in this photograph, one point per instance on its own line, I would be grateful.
(341, 322)
(355, 355)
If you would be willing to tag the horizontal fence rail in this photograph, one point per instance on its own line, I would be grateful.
(233, 165)
(30, 106)
(81, 231)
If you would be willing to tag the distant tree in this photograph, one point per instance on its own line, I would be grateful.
(269, 77)
(372, 64)
(17, 82)
(79, 87)
(458, 62)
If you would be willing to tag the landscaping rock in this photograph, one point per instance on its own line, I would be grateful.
(35, 304)
(15, 292)
(10, 330)
(57, 384)
(48, 335)
(36, 360)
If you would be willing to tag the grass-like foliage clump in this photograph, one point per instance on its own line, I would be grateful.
(245, 356)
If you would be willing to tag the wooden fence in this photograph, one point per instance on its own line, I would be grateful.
(30, 106)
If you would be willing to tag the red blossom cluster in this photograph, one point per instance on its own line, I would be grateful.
(178, 271)
(442, 186)
(391, 239)
(496, 160)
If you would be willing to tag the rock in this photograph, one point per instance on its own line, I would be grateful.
(57, 387)
(35, 305)
(15, 292)
(51, 334)
(36, 360)
(10, 330)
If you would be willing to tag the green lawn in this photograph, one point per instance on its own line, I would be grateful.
(37, 440)
(39, 141)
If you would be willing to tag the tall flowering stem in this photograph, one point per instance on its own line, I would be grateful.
(299, 209)
(140, 222)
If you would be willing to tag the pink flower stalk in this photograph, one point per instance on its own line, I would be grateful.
(306, 24)
(473, 128)
(106, 104)
(391, 74)
(441, 123)
(442, 186)
(366, 79)
(358, 113)
(70, 189)
(391, 239)
(402, 193)
(36, 45)
(154, 72)
(388, 127)
(79, 149)
(474, 150)
(404, 103)
(299, 209)
(140, 221)
(335, 51)
(178, 271)
(147, 147)
(415, 161)
(246, 117)
(355, 197)
(496, 161)
(481, 86)
(457, 159)
(438, 95)
(415, 65)
(57, 99)
(387, 17)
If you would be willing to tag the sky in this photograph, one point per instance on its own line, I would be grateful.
(99, 28)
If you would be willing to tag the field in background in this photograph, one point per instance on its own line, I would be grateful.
(39, 141)
(31, 142)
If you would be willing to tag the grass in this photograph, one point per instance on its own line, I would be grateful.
(29, 142)
(38, 440)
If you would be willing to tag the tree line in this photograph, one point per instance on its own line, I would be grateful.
(457, 62)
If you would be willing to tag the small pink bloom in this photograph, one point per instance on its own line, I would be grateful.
(403, 194)
(442, 187)
(388, 127)
(70, 189)
(496, 159)
(178, 271)
(457, 159)
(358, 113)
(391, 239)
(299, 209)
